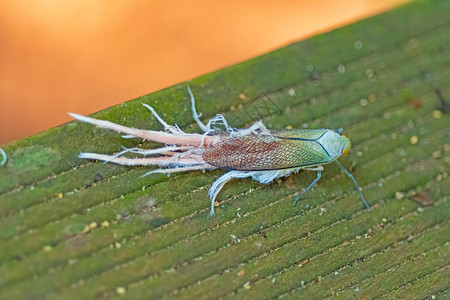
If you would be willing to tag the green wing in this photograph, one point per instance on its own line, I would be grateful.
(282, 149)
(311, 134)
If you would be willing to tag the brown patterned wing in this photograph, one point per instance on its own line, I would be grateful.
(265, 152)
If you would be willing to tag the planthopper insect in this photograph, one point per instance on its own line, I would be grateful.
(255, 152)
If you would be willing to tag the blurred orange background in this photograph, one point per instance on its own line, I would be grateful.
(82, 56)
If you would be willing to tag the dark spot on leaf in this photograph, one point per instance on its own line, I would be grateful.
(98, 177)
(415, 103)
(305, 235)
(314, 76)
(157, 222)
(263, 233)
(423, 198)
(442, 104)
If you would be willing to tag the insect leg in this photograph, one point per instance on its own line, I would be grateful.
(216, 187)
(195, 115)
(221, 181)
(356, 184)
(319, 173)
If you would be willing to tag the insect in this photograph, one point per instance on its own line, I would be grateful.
(255, 152)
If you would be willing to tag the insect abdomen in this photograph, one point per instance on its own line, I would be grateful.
(267, 152)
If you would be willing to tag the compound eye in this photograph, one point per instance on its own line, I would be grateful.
(345, 152)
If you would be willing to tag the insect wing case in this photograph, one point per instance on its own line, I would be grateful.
(281, 149)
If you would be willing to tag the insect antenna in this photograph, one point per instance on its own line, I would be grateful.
(319, 173)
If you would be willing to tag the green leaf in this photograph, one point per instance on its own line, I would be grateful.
(77, 229)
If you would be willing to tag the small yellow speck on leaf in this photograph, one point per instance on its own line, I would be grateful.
(292, 92)
(399, 195)
(437, 114)
(304, 262)
(121, 290)
(47, 248)
(414, 140)
(105, 224)
(86, 229)
(436, 154)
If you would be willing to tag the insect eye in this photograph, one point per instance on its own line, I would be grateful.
(345, 152)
